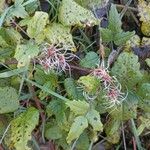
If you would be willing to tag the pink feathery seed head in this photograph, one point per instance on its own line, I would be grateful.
(102, 74)
(55, 58)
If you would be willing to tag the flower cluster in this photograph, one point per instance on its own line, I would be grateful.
(111, 86)
(54, 57)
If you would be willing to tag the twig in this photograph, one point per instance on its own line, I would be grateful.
(124, 140)
(125, 9)
(134, 143)
(130, 8)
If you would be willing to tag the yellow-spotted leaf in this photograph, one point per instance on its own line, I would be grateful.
(56, 33)
(36, 26)
(71, 14)
(93, 118)
(19, 133)
(25, 52)
(78, 107)
(80, 123)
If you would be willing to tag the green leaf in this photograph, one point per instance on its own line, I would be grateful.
(112, 131)
(36, 26)
(20, 130)
(53, 132)
(10, 37)
(56, 33)
(77, 128)
(106, 34)
(90, 60)
(71, 88)
(71, 14)
(93, 118)
(83, 142)
(78, 107)
(57, 107)
(114, 20)
(128, 108)
(17, 10)
(144, 90)
(89, 83)
(41, 78)
(148, 61)
(127, 70)
(8, 100)
(25, 52)
(122, 37)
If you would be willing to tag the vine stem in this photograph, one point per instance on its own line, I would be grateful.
(4, 134)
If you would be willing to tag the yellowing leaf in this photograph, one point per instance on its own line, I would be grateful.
(58, 34)
(144, 13)
(78, 107)
(92, 3)
(93, 118)
(77, 128)
(20, 130)
(8, 100)
(37, 25)
(24, 53)
(145, 28)
(71, 14)
(89, 83)
(144, 10)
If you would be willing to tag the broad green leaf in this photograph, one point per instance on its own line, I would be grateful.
(80, 123)
(9, 37)
(128, 108)
(83, 142)
(49, 85)
(8, 100)
(112, 131)
(114, 20)
(36, 26)
(57, 107)
(71, 14)
(93, 118)
(92, 3)
(71, 88)
(17, 10)
(20, 130)
(127, 70)
(144, 104)
(89, 83)
(41, 78)
(148, 61)
(53, 132)
(56, 33)
(78, 107)
(90, 60)
(144, 91)
(122, 37)
(106, 34)
(25, 52)
(114, 33)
